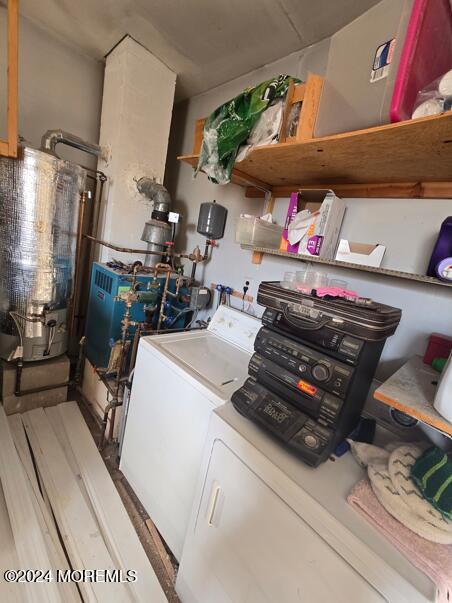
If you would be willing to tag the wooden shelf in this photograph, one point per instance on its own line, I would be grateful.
(406, 159)
(419, 278)
(412, 391)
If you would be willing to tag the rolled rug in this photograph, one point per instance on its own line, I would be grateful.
(388, 496)
(376, 460)
(400, 465)
(432, 474)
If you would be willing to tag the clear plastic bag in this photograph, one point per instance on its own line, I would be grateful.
(434, 98)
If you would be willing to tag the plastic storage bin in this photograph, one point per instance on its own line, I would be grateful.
(378, 63)
(258, 233)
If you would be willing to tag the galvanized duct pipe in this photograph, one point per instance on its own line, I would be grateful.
(53, 137)
(157, 231)
(156, 193)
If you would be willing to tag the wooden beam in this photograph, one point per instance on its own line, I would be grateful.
(10, 592)
(57, 555)
(287, 108)
(29, 540)
(4, 148)
(248, 298)
(419, 278)
(298, 94)
(237, 177)
(13, 56)
(199, 133)
(416, 150)
(160, 548)
(393, 190)
(309, 107)
(116, 527)
(84, 542)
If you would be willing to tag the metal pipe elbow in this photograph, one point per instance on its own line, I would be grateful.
(154, 192)
(53, 137)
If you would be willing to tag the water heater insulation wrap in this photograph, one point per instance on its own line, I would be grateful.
(39, 204)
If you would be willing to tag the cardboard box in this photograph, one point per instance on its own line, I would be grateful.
(323, 225)
(360, 253)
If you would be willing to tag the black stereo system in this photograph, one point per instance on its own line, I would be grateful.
(315, 360)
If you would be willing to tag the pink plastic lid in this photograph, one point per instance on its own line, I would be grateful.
(426, 55)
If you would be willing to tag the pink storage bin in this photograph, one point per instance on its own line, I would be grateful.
(420, 62)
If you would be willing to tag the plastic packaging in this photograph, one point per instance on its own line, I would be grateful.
(434, 98)
(257, 232)
(379, 62)
(230, 125)
(442, 248)
(289, 281)
(443, 397)
(439, 346)
(444, 269)
(310, 280)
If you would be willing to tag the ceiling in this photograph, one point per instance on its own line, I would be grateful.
(206, 42)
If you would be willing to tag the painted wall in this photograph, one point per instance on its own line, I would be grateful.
(58, 88)
(407, 227)
(135, 125)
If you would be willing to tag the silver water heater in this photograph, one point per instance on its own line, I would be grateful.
(39, 204)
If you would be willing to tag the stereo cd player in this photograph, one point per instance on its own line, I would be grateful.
(308, 397)
(317, 368)
(305, 436)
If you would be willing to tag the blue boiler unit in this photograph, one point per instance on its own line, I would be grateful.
(105, 313)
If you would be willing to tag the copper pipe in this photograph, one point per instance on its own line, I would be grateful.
(96, 211)
(78, 252)
(132, 250)
(162, 304)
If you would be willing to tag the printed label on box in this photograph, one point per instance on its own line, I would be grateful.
(382, 61)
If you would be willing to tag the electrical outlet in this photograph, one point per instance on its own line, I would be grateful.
(248, 281)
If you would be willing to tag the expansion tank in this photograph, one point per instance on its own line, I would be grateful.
(39, 204)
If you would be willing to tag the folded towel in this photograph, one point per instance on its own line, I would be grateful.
(389, 475)
(432, 474)
(435, 560)
(400, 464)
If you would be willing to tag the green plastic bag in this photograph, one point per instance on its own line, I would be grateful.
(229, 126)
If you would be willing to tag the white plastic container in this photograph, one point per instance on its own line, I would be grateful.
(443, 397)
(258, 233)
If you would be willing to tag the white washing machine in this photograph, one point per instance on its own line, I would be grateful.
(179, 379)
(266, 528)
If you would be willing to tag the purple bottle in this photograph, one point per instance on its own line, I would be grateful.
(442, 248)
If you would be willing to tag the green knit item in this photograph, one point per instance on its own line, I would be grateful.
(432, 474)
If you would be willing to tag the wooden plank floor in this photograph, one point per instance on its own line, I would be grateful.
(133, 506)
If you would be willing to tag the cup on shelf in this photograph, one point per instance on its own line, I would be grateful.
(289, 280)
(311, 279)
(338, 283)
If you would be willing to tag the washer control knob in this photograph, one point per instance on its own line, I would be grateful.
(311, 441)
(320, 372)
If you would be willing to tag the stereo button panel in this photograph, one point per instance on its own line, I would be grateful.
(310, 365)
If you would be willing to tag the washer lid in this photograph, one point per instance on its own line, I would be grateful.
(219, 365)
